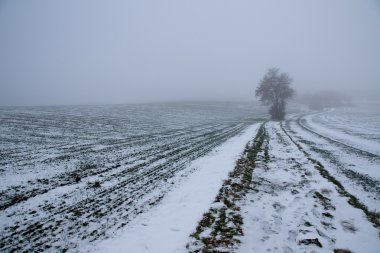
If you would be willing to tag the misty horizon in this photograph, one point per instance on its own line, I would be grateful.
(89, 52)
(189, 126)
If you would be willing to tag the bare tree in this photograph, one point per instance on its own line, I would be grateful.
(274, 90)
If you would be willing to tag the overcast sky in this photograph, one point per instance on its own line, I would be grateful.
(85, 52)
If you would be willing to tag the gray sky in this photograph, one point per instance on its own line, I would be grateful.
(80, 52)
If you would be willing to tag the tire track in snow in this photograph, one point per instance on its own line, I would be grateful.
(353, 149)
(364, 182)
(293, 207)
(372, 216)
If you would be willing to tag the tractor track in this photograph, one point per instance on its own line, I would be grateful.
(354, 201)
(356, 150)
(362, 180)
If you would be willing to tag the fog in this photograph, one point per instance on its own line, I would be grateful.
(105, 52)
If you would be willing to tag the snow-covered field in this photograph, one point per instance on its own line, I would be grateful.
(194, 178)
(71, 175)
(354, 126)
(166, 228)
(296, 207)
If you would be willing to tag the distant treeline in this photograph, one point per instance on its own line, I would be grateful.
(325, 99)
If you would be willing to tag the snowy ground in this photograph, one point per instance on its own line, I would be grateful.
(292, 208)
(298, 201)
(166, 228)
(308, 184)
(73, 175)
(363, 135)
(356, 169)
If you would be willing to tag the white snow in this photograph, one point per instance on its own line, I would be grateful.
(338, 128)
(166, 228)
(339, 162)
(284, 210)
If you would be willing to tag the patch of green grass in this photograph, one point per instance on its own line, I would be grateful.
(328, 215)
(325, 201)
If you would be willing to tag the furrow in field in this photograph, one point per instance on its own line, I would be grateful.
(343, 141)
(294, 206)
(349, 121)
(220, 228)
(356, 172)
(122, 196)
(372, 215)
(155, 149)
(73, 148)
